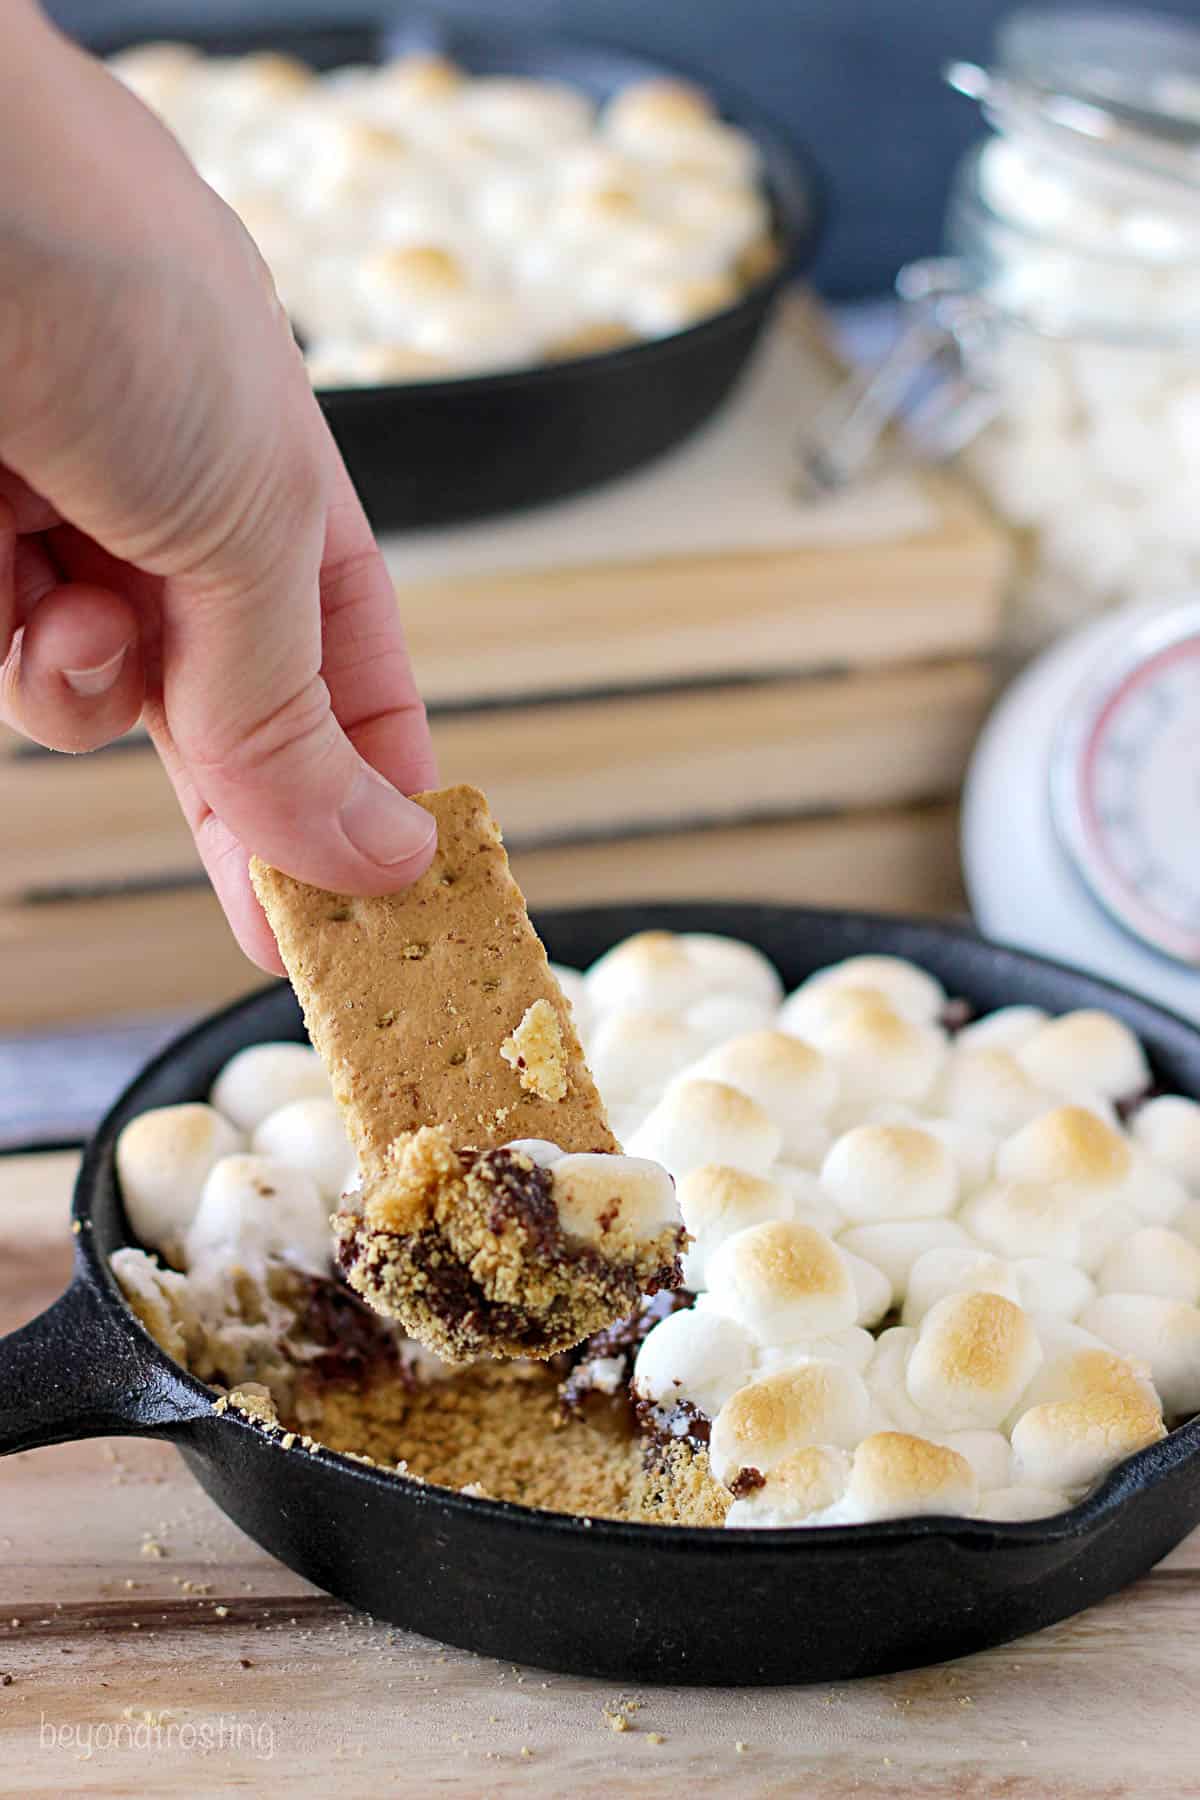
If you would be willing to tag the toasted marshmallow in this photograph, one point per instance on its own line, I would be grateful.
(1012, 1505)
(793, 1083)
(1086, 1049)
(162, 1299)
(716, 1202)
(988, 1087)
(1163, 1334)
(910, 991)
(886, 1376)
(539, 1150)
(872, 1287)
(783, 1282)
(701, 1357)
(878, 1054)
(164, 1157)
(1153, 1192)
(956, 1271)
(898, 1476)
(1049, 1287)
(613, 1202)
(971, 1146)
(1087, 1410)
(894, 1247)
(803, 1485)
(634, 1054)
(974, 1357)
(262, 1078)
(309, 1135)
(814, 1403)
(1152, 1261)
(255, 1210)
(1026, 1218)
(699, 1122)
(890, 1172)
(663, 971)
(1187, 1222)
(1101, 1232)
(524, 114)
(1168, 1130)
(715, 1018)
(1005, 1029)
(1071, 1147)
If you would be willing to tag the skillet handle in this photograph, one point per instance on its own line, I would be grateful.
(72, 1372)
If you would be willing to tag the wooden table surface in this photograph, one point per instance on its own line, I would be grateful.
(147, 1647)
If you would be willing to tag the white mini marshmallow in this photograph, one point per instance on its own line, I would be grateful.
(1152, 1261)
(1012, 1505)
(785, 1283)
(972, 1146)
(956, 1271)
(1085, 1411)
(895, 1246)
(699, 1122)
(974, 1357)
(164, 1157)
(633, 1055)
(718, 1017)
(988, 1452)
(805, 1484)
(811, 1204)
(1048, 1286)
(575, 993)
(716, 1202)
(729, 966)
(911, 991)
(255, 1210)
(1025, 1218)
(1155, 1194)
(791, 1081)
(872, 1287)
(538, 1150)
(1187, 1222)
(886, 1377)
(854, 1346)
(309, 1135)
(613, 1202)
(1168, 1130)
(1086, 1049)
(1163, 1334)
(987, 1087)
(890, 1172)
(262, 1078)
(1005, 1029)
(700, 1357)
(878, 1054)
(1100, 1233)
(1073, 1148)
(814, 1403)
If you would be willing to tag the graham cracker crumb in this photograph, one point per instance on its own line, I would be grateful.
(535, 1050)
(655, 1737)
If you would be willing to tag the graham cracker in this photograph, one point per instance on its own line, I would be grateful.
(410, 998)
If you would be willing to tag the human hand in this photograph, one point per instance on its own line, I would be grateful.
(179, 540)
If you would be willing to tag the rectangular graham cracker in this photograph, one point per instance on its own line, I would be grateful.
(409, 997)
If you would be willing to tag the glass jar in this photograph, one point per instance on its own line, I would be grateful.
(1070, 298)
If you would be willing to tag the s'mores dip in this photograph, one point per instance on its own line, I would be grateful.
(934, 1264)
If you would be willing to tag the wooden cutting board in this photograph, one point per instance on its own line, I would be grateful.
(134, 1619)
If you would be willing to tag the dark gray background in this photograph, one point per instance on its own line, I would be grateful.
(857, 79)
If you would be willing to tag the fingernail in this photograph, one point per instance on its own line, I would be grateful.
(381, 824)
(88, 683)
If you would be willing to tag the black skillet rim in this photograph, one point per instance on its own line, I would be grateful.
(1138, 1472)
(795, 236)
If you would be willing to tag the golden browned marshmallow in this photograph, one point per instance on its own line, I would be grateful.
(815, 1403)
(878, 1054)
(784, 1282)
(1072, 1146)
(974, 1357)
(716, 1202)
(1086, 1050)
(897, 1476)
(805, 1484)
(790, 1080)
(1089, 1409)
(699, 1122)
(887, 1172)
(987, 1086)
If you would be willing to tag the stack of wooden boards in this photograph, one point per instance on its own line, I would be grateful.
(688, 685)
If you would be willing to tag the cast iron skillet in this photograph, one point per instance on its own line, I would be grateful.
(628, 1602)
(427, 453)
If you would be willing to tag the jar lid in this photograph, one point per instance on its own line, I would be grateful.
(1120, 86)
